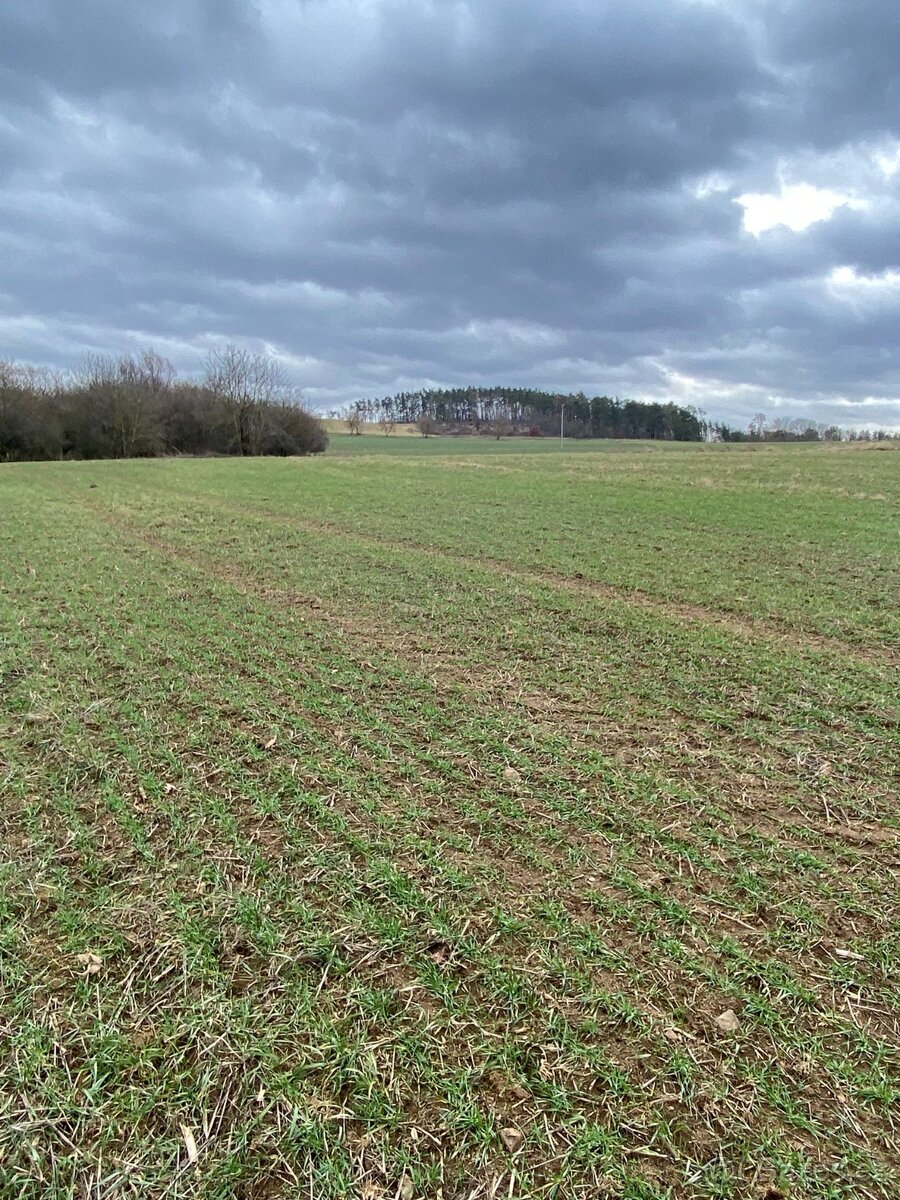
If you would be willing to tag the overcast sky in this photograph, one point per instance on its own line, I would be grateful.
(647, 198)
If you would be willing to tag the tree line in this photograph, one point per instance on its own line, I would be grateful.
(134, 406)
(506, 410)
(793, 429)
(503, 411)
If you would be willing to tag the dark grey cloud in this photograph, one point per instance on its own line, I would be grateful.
(845, 58)
(389, 193)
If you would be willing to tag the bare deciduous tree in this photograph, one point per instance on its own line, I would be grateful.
(247, 385)
(125, 393)
(354, 418)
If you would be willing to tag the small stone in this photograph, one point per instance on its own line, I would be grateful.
(512, 1138)
(728, 1021)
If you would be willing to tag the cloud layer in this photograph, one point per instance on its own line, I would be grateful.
(682, 198)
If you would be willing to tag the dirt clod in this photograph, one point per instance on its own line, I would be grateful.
(728, 1021)
(512, 1138)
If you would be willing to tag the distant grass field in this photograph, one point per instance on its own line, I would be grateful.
(335, 427)
(455, 819)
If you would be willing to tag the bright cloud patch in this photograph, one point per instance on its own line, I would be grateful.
(849, 278)
(889, 160)
(796, 207)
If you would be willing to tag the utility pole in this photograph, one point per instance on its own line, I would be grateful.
(562, 417)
